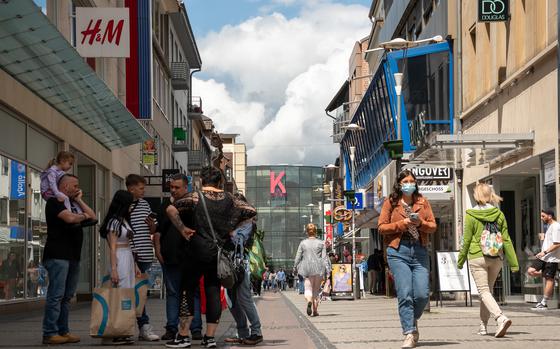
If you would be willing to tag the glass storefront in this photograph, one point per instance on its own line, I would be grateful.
(282, 195)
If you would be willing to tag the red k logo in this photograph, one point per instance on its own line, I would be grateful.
(277, 182)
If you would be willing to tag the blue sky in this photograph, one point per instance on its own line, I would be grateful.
(212, 15)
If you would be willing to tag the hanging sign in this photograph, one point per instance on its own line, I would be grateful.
(102, 32)
(493, 10)
(149, 152)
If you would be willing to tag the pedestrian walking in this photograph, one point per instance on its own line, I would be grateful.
(11, 269)
(143, 222)
(311, 263)
(61, 258)
(375, 265)
(485, 241)
(405, 222)
(189, 215)
(170, 250)
(116, 229)
(546, 264)
(281, 280)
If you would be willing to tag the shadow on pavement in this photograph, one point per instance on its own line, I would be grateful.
(435, 344)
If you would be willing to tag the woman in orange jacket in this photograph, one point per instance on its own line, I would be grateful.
(406, 221)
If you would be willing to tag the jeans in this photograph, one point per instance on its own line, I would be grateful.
(301, 287)
(244, 309)
(63, 282)
(172, 277)
(410, 267)
(144, 319)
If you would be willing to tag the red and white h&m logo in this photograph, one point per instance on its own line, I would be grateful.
(102, 32)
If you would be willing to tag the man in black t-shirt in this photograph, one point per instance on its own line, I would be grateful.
(61, 258)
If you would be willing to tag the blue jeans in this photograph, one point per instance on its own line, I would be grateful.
(172, 276)
(144, 319)
(63, 282)
(410, 267)
(244, 309)
(301, 285)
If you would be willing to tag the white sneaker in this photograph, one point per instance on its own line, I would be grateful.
(482, 328)
(409, 341)
(147, 334)
(503, 324)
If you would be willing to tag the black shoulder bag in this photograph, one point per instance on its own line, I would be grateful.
(225, 267)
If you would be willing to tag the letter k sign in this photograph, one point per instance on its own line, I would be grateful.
(277, 182)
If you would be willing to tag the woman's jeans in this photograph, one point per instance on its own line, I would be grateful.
(411, 271)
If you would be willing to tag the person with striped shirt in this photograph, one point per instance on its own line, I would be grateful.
(144, 226)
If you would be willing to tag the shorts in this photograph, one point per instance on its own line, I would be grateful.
(548, 269)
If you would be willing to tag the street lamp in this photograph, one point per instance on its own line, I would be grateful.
(310, 212)
(352, 173)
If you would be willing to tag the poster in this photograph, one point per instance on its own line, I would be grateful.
(149, 152)
(342, 278)
(450, 277)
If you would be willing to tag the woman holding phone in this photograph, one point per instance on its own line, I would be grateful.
(406, 222)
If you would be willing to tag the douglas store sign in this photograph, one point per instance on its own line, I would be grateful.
(493, 10)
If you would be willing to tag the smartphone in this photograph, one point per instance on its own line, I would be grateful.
(152, 215)
(414, 216)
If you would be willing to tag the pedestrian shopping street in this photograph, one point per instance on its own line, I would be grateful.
(366, 323)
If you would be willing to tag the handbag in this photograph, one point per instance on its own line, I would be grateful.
(141, 285)
(112, 313)
(225, 267)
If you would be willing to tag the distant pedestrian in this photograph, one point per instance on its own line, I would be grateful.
(311, 263)
(281, 280)
(61, 258)
(485, 253)
(547, 261)
(116, 229)
(11, 268)
(406, 221)
(375, 265)
(143, 222)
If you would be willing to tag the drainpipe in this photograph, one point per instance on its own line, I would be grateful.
(458, 153)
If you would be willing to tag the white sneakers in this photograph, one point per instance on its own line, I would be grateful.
(147, 334)
(409, 341)
(482, 329)
(503, 324)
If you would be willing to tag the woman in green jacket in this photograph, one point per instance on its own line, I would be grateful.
(484, 268)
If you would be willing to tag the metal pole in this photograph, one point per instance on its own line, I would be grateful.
(355, 285)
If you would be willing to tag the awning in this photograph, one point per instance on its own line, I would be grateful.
(36, 54)
(488, 148)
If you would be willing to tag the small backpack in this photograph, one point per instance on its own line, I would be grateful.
(491, 242)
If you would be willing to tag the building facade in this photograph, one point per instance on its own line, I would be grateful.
(236, 163)
(53, 99)
(286, 198)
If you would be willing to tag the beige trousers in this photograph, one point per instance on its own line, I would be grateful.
(485, 270)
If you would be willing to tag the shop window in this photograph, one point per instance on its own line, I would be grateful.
(12, 230)
(40, 148)
(37, 236)
(12, 135)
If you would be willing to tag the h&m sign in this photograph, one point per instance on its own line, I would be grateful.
(493, 10)
(103, 32)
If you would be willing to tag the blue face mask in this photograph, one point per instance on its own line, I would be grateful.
(408, 188)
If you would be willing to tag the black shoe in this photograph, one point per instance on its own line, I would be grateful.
(208, 342)
(169, 335)
(253, 339)
(308, 308)
(196, 336)
(179, 342)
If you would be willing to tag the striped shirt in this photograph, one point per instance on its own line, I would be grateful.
(141, 241)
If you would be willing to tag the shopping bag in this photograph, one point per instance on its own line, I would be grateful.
(112, 313)
(141, 286)
(257, 256)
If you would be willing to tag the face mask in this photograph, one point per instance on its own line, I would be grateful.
(408, 188)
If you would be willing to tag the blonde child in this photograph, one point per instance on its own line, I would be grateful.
(57, 168)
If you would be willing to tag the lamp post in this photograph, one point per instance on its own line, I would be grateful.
(354, 273)
(310, 212)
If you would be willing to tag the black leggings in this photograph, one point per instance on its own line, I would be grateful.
(190, 280)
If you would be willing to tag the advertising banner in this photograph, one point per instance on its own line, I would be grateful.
(17, 180)
(102, 32)
(149, 152)
(342, 278)
(450, 277)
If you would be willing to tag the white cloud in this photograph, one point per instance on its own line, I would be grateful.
(279, 74)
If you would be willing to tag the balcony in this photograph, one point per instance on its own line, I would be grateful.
(342, 115)
(179, 75)
(194, 111)
(195, 160)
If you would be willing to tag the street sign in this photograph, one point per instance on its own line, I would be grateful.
(359, 201)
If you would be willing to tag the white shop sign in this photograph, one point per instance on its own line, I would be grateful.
(450, 277)
(102, 32)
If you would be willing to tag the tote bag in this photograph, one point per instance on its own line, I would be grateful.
(112, 312)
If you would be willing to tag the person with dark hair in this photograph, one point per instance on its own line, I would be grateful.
(61, 258)
(170, 251)
(375, 266)
(406, 221)
(117, 231)
(143, 223)
(189, 217)
(546, 264)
